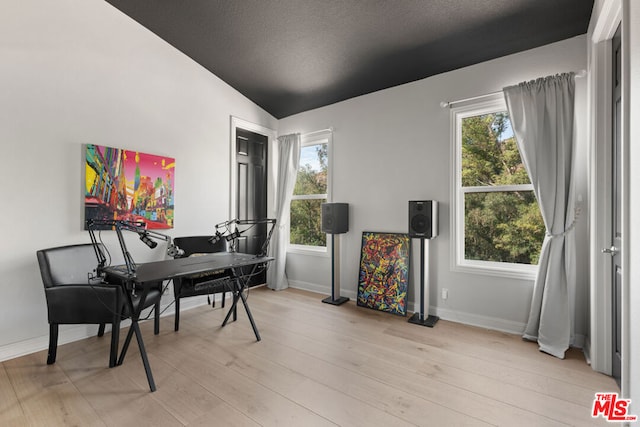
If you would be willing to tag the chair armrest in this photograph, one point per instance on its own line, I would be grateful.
(82, 303)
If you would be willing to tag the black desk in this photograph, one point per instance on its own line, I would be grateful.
(148, 274)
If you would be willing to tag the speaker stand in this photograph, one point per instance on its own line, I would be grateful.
(335, 274)
(419, 318)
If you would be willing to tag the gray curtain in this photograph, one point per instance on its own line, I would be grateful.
(288, 162)
(541, 113)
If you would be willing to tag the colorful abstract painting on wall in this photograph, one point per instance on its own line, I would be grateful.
(384, 272)
(129, 185)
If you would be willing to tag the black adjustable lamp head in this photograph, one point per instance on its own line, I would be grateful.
(231, 232)
(144, 236)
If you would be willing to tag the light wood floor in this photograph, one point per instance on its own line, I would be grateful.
(317, 365)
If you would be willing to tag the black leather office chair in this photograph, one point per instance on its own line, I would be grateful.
(72, 298)
(207, 284)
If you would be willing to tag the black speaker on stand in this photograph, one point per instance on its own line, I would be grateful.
(335, 220)
(423, 224)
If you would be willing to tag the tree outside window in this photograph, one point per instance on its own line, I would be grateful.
(309, 193)
(498, 214)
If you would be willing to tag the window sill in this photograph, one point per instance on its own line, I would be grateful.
(308, 250)
(496, 269)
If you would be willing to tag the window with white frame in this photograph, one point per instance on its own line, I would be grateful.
(497, 228)
(310, 192)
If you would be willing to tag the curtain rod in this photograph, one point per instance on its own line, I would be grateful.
(445, 104)
(304, 135)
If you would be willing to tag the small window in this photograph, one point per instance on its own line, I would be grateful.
(310, 192)
(498, 227)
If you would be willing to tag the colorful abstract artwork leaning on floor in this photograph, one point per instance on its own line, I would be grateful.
(384, 272)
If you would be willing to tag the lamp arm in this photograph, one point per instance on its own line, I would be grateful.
(119, 225)
(226, 223)
(141, 229)
(128, 259)
(100, 256)
(255, 221)
(265, 245)
(172, 249)
(236, 233)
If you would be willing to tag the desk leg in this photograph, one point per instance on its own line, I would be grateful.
(253, 324)
(135, 329)
(143, 354)
(237, 296)
(125, 347)
(233, 308)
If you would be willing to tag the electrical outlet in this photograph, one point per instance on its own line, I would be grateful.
(445, 293)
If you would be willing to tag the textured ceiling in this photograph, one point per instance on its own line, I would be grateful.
(290, 56)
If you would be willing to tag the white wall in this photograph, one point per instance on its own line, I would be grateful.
(78, 71)
(394, 145)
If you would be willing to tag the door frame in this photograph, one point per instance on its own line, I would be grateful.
(599, 349)
(271, 135)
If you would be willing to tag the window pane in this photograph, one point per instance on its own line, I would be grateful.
(306, 225)
(312, 174)
(503, 227)
(490, 154)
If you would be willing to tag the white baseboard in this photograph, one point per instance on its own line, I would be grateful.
(71, 333)
(320, 289)
(66, 335)
(445, 314)
(494, 323)
(486, 322)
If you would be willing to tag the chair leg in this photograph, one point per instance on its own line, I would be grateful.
(224, 297)
(101, 329)
(53, 343)
(115, 339)
(156, 318)
(176, 325)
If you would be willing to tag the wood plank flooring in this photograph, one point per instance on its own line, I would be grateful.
(317, 365)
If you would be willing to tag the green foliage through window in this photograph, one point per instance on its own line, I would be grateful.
(501, 224)
(309, 193)
(306, 223)
(503, 227)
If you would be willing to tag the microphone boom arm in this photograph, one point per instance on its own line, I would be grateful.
(136, 227)
(92, 224)
(233, 235)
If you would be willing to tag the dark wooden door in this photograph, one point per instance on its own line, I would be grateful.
(251, 196)
(616, 214)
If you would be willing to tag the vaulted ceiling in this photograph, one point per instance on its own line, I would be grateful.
(290, 56)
